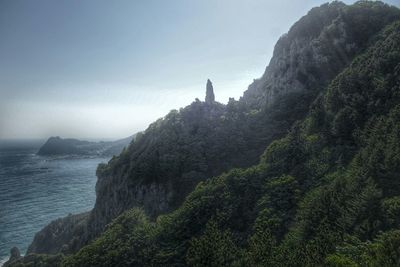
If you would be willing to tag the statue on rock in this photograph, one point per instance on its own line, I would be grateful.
(210, 98)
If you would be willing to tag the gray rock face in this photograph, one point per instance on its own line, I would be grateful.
(210, 98)
(117, 194)
(299, 61)
(15, 255)
(61, 235)
(68, 234)
(314, 51)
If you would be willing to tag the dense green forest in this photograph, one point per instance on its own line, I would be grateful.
(326, 194)
(325, 191)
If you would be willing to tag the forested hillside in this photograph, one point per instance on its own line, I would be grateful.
(326, 194)
(206, 139)
(302, 171)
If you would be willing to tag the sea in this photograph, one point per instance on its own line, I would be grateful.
(35, 190)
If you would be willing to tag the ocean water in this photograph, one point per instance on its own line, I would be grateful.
(34, 190)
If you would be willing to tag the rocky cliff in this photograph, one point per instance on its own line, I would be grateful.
(175, 153)
(210, 98)
(60, 235)
(316, 48)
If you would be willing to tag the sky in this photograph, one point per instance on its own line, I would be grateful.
(97, 69)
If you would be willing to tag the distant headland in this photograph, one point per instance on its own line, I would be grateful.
(68, 146)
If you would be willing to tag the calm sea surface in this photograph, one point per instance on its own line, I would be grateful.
(34, 190)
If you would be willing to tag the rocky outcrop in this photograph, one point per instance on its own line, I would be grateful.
(62, 235)
(316, 49)
(15, 255)
(66, 235)
(36, 260)
(120, 194)
(59, 146)
(210, 98)
(159, 169)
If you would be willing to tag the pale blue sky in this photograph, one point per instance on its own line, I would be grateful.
(106, 69)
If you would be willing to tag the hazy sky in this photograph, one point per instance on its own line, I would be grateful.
(106, 69)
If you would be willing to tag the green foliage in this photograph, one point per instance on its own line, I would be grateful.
(339, 261)
(213, 248)
(384, 250)
(327, 193)
(128, 241)
(391, 211)
(276, 210)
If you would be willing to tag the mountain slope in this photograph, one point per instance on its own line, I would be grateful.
(256, 206)
(315, 197)
(316, 49)
(204, 140)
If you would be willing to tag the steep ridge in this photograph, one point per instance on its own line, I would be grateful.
(205, 139)
(327, 194)
(199, 132)
(316, 49)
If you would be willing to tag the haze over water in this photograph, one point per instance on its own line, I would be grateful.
(35, 190)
